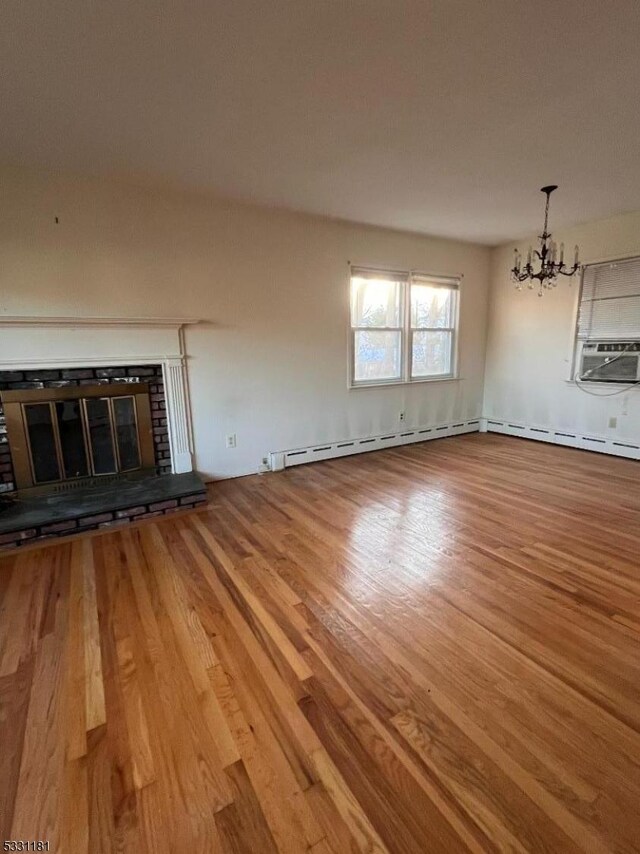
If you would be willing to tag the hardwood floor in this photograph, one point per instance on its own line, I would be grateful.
(434, 648)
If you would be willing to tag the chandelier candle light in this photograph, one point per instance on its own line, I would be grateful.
(550, 268)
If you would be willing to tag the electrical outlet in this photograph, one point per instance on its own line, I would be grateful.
(613, 421)
(231, 440)
(401, 416)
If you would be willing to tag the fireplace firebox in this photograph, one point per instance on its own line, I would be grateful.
(65, 437)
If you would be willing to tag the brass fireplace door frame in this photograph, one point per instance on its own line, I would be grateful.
(13, 402)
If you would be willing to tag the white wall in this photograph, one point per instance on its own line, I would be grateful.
(270, 363)
(530, 341)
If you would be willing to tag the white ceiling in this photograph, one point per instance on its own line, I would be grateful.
(441, 116)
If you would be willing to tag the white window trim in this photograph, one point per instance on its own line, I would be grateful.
(406, 333)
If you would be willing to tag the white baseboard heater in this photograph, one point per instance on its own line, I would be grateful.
(570, 438)
(329, 450)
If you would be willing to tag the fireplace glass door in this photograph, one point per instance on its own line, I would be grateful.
(68, 434)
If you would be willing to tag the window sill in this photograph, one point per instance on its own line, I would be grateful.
(390, 383)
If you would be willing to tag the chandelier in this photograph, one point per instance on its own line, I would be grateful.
(551, 260)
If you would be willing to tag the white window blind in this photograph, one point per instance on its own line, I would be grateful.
(610, 301)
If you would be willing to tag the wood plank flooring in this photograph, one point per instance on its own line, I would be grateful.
(427, 649)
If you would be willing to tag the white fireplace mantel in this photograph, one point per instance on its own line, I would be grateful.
(38, 343)
(32, 320)
(47, 341)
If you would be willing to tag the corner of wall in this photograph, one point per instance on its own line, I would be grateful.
(495, 261)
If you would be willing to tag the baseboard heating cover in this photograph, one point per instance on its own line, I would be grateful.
(407, 436)
(570, 438)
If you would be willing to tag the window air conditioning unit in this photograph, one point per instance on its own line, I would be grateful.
(610, 361)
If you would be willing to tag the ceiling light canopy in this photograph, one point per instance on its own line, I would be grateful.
(549, 268)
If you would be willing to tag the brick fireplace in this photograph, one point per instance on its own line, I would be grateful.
(79, 378)
(39, 366)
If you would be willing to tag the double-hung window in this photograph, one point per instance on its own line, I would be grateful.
(403, 326)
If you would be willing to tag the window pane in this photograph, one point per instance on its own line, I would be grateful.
(375, 302)
(431, 306)
(126, 432)
(74, 458)
(104, 461)
(431, 354)
(378, 355)
(42, 442)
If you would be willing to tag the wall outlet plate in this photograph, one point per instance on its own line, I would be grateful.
(613, 421)
(401, 416)
(231, 440)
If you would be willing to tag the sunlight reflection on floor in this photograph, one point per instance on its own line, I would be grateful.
(414, 532)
